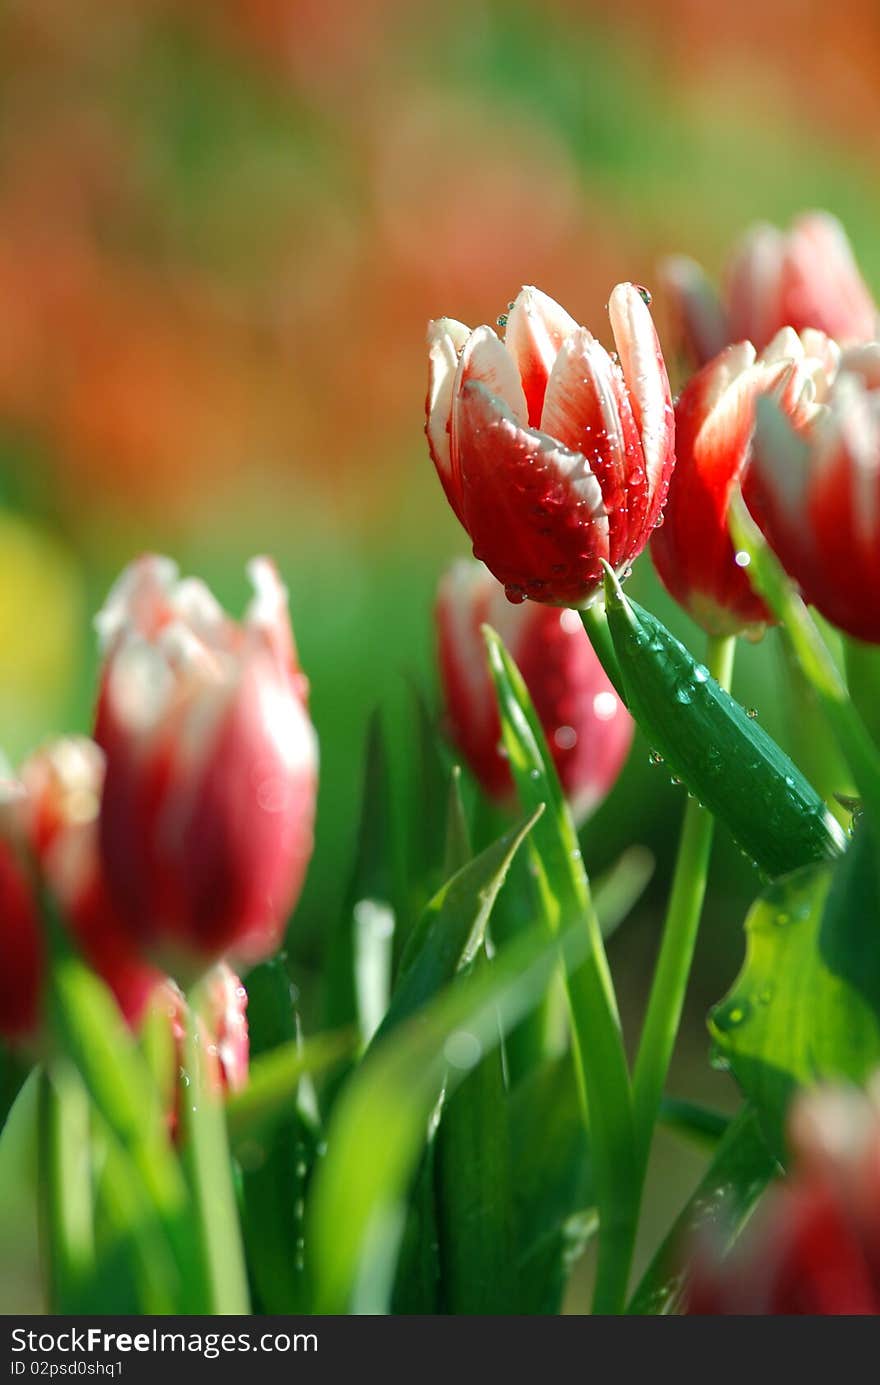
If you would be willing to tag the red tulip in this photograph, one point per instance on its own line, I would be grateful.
(207, 814)
(815, 490)
(814, 1246)
(587, 728)
(714, 423)
(805, 277)
(553, 454)
(223, 1026)
(22, 949)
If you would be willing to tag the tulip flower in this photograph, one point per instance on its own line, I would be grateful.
(48, 836)
(804, 277)
(714, 422)
(223, 1030)
(553, 454)
(587, 727)
(815, 491)
(208, 805)
(22, 949)
(814, 1247)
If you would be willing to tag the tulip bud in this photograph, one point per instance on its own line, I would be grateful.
(554, 455)
(814, 1245)
(714, 422)
(208, 806)
(22, 951)
(587, 727)
(49, 834)
(814, 488)
(801, 278)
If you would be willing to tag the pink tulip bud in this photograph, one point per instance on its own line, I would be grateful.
(814, 1244)
(804, 277)
(553, 454)
(714, 424)
(815, 491)
(587, 727)
(208, 807)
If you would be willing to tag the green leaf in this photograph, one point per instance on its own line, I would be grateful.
(603, 1082)
(357, 1203)
(737, 1176)
(554, 1211)
(725, 759)
(699, 1124)
(475, 1188)
(359, 955)
(458, 837)
(806, 1005)
(273, 1083)
(276, 1156)
(66, 1188)
(453, 926)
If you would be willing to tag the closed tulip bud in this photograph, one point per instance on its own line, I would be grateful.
(801, 278)
(815, 491)
(587, 727)
(813, 1247)
(715, 422)
(553, 454)
(208, 806)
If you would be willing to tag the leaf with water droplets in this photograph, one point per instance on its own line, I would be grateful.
(709, 742)
(806, 1005)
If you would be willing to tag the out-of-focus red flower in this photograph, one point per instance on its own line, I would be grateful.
(587, 727)
(814, 1247)
(553, 455)
(814, 488)
(22, 950)
(804, 277)
(49, 835)
(208, 806)
(714, 423)
(223, 1026)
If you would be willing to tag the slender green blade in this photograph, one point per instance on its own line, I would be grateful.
(724, 758)
(357, 1203)
(737, 1176)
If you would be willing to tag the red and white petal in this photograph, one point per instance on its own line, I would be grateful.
(700, 316)
(446, 338)
(140, 600)
(534, 509)
(536, 328)
(777, 485)
(588, 410)
(822, 286)
(754, 285)
(644, 371)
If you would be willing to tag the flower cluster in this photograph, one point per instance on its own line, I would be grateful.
(179, 836)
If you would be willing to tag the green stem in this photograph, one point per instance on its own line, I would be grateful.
(677, 948)
(207, 1150)
(595, 623)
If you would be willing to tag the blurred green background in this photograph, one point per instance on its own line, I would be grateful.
(223, 226)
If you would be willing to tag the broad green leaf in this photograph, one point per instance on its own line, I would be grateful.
(474, 1178)
(453, 926)
(806, 1005)
(274, 1081)
(19, 1207)
(554, 1212)
(357, 1202)
(458, 839)
(603, 1081)
(737, 1176)
(66, 1188)
(417, 1284)
(725, 759)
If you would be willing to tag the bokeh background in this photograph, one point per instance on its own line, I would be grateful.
(223, 226)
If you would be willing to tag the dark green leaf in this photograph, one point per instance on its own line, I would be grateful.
(723, 757)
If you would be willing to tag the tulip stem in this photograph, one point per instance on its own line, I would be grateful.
(209, 1167)
(677, 947)
(595, 623)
